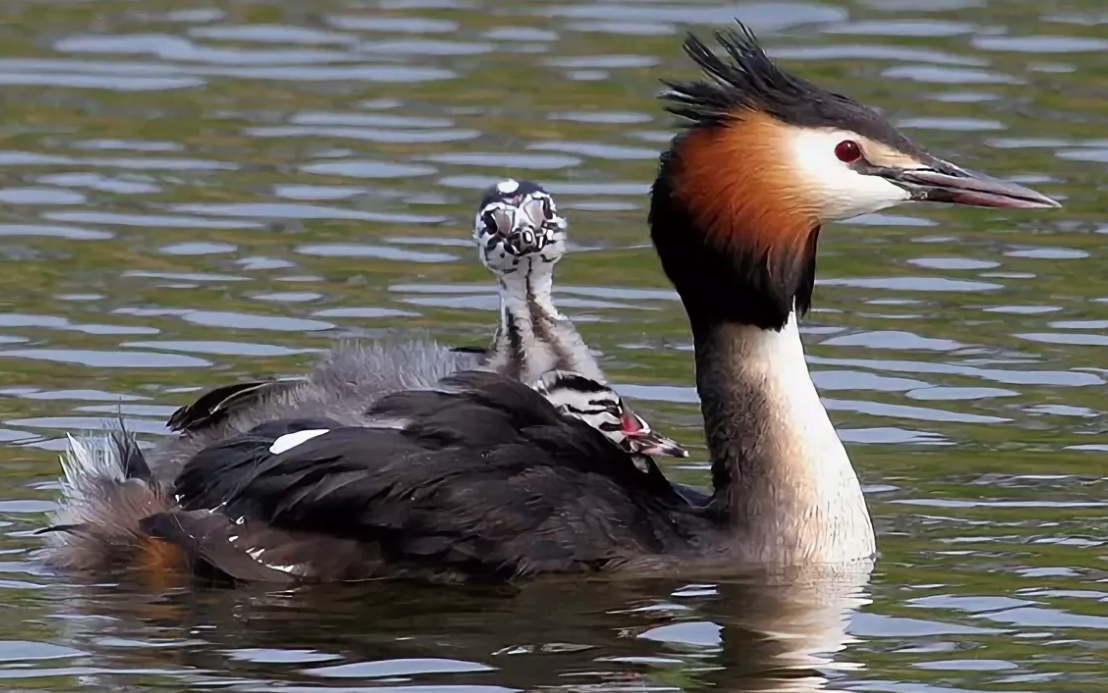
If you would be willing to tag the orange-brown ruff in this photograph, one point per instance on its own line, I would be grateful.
(481, 478)
(741, 191)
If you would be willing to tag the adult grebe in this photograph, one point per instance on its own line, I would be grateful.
(482, 478)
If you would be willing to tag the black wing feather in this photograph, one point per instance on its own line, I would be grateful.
(485, 479)
(216, 405)
(480, 351)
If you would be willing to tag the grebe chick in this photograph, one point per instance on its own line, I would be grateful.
(520, 238)
(516, 223)
(519, 235)
(481, 478)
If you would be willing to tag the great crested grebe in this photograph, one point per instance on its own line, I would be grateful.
(481, 477)
(520, 237)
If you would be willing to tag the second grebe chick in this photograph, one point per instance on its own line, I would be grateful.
(602, 408)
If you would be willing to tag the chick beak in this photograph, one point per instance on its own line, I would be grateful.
(941, 181)
(641, 439)
(657, 445)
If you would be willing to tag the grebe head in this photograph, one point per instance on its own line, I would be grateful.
(599, 406)
(517, 224)
(766, 158)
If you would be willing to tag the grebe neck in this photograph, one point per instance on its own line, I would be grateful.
(783, 482)
(533, 338)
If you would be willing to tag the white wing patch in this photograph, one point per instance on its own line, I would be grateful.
(291, 440)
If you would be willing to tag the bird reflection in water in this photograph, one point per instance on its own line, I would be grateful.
(780, 632)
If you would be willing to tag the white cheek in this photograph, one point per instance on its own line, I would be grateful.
(843, 193)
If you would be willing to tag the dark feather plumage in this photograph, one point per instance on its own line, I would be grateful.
(130, 454)
(204, 539)
(216, 405)
(485, 480)
(470, 350)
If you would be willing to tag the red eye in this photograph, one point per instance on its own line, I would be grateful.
(848, 151)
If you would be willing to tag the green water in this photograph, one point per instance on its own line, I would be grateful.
(196, 193)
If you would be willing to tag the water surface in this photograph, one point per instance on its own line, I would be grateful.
(198, 193)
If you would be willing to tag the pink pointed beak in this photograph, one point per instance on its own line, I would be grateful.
(643, 440)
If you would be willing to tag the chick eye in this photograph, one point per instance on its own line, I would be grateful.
(848, 151)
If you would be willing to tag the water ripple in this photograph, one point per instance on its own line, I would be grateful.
(374, 251)
(385, 23)
(273, 210)
(106, 359)
(205, 193)
(367, 134)
(168, 47)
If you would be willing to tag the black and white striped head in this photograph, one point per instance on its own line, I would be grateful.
(518, 225)
(599, 406)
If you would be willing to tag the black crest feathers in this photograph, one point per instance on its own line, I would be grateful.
(748, 80)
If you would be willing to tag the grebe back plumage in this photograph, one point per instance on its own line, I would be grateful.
(122, 519)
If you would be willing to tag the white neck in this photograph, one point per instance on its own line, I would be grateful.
(535, 286)
(781, 471)
(533, 338)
